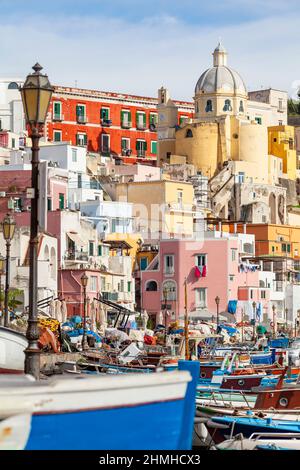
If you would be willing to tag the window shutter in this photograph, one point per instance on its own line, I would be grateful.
(144, 145)
(137, 145)
(129, 116)
(56, 108)
(144, 119)
(85, 139)
(154, 147)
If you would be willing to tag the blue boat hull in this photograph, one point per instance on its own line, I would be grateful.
(152, 426)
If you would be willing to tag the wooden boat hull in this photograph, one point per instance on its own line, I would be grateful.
(12, 346)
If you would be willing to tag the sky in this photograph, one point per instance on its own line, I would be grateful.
(136, 46)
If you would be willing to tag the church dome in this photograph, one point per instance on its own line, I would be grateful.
(220, 77)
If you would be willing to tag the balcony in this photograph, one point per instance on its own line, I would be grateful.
(106, 122)
(141, 153)
(81, 119)
(126, 124)
(58, 117)
(126, 152)
(76, 256)
(113, 296)
(141, 126)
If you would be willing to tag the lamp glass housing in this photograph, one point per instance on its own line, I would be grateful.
(84, 280)
(36, 95)
(9, 226)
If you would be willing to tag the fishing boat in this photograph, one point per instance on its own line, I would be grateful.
(225, 427)
(262, 441)
(12, 346)
(14, 432)
(136, 411)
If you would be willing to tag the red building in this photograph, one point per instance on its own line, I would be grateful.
(114, 124)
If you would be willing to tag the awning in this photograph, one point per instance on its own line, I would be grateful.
(75, 238)
(203, 315)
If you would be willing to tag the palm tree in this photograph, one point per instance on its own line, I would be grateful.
(13, 301)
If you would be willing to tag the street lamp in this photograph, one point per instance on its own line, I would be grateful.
(36, 95)
(84, 280)
(8, 226)
(217, 300)
(273, 309)
(2, 259)
(165, 295)
(254, 318)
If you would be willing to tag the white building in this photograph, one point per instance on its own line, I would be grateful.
(109, 216)
(11, 108)
(268, 107)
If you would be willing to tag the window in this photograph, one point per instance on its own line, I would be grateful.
(258, 120)
(231, 277)
(200, 260)
(141, 147)
(241, 108)
(286, 247)
(93, 283)
(103, 284)
(182, 119)
(57, 136)
(179, 196)
(80, 113)
(13, 143)
(241, 177)
(280, 107)
(125, 146)
(121, 286)
(263, 294)
(273, 249)
(140, 120)
(189, 133)
(81, 139)
(105, 143)
(57, 111)
(128, 286)
(151, 286)
(126, 119)
(13, 86)
(104, 113)
(251, 294)
(143, 263)
(280, 123)
(233, 254)
(61, 199)
(49, 204)
(168, 290)
(91, 248)
(169, 264)
(153, 118)
(208, 107)
(74, 155)
(227, 106)
(201, 297)
(153, 147)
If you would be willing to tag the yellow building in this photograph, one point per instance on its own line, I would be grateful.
(162, 208)
(282, 144)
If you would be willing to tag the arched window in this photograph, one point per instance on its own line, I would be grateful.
(53, 263)
(169, 289)
(241, 108)
(189, 133)
(151, 286)
(13, 86)
(46, 253)
(208, 107)
(227, 106)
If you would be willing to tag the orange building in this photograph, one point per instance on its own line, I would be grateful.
(124, 126)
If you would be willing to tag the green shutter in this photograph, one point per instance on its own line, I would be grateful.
(154, 147)
(123, 144)
(144, 145)
(122, 116)
(85, 139)
(137, 145)
(99, 250)
(57, 108)
(129, 116)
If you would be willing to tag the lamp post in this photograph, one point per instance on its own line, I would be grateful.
(8, 226)
(274, 314)
(2, 259)
(165, 295)
(254, 318)
(84, 280)
(217, 300)
(36, 95)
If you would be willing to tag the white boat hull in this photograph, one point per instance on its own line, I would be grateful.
(12, 346)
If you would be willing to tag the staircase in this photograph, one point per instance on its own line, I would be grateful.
(220, 187)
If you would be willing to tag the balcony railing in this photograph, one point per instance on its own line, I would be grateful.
(113, 296)
(126, 124)
(76, 256)
(81, 119)
(141, 126)
(141, 153)
(106, 122)
(152, 127)
(58, 117)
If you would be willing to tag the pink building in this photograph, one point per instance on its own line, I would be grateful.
(213, 267)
